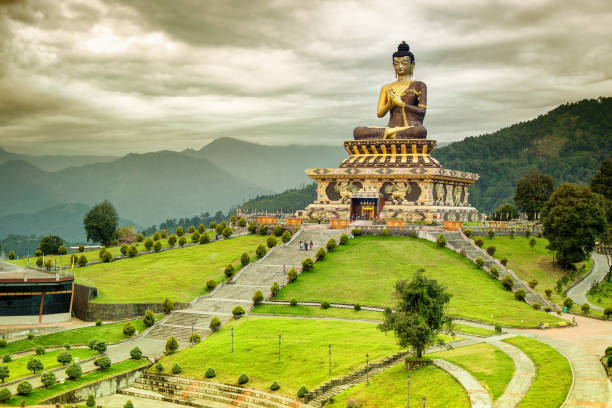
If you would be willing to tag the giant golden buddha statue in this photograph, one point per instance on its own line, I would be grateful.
(404, 99)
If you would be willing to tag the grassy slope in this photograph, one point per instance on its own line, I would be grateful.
(489, 365)
(41, 394)
(553, 374)
(388, 389)
(94, 254)
(366, 269)
(304, 352)
(300, 310)
(18, 367)
(481, 331)
(179, 274)
(530, 263)
(110, 333)
(603, 296)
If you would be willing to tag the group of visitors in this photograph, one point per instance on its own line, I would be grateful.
(304, 245)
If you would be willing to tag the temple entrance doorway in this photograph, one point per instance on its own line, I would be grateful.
(364, 208)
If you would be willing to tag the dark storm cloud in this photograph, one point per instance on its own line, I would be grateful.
(110, 76)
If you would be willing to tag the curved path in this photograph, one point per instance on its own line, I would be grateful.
(583, 346)
(479, 397)
(600, 269)
(524, 374)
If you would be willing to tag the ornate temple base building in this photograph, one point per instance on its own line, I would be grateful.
(392, 179)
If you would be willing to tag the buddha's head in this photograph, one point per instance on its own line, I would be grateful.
(403, 60)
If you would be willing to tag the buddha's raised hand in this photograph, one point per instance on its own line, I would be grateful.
(395, 98)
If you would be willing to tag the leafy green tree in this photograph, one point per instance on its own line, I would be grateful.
(171, 345)
(245, 259)
(24, 388)
(180, 231)
(242, 222)
(157, 246)
(64, 357)
(191, 229)
(195, 237)
(136, 353)
(50, 244)
(128, 329)
(149, 318)
(167, 305)
(48, 379)
(101, 223)
(204, 238)
(271, 241)
(506, 212)
(4, 372)
(201, 228)
(124, 249)
(5, 395)
(148, 244)
(227, 232)
(62, 250)
(258, 297)
(215, 324)
(182, 241)
(602, 181)
(74, 371)
(286, 237)
(532, 192)
(132, 252)
(11, 255)
(35, 365)
(171, 240)
(82, 260)
(102, 363)
(572, 219)
(91, 401)
(420, 312)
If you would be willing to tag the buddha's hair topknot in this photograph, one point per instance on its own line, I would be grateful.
(403, 50)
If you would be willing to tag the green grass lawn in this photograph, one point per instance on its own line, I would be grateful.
(300, 310)
(304, 352)
(480, 331)
(553, 374)
(110, 333)
(366, 269)
(602, 296)
(41, 394)
(389, 389)
(179, 274)
(532, 263)
(489, 365)
(18, 367)
(94, 255)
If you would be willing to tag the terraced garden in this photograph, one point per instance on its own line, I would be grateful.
(365, 270)
(179, 274)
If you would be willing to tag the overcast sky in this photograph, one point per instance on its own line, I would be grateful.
(112, 77)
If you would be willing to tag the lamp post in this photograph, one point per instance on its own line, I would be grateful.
(279, 346)
(408, 405)
(330, 359)
(367, 371)
(232, 339)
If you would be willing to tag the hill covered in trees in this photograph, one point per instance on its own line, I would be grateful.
(287, 201)
(569, 143)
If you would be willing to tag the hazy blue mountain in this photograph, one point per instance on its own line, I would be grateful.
(54, 163)
(143, 187)
(275, 168)
(569, 143)
(65, 220)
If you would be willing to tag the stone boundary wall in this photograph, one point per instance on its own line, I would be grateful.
(99, 389)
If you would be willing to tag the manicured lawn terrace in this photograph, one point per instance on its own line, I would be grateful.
(94, 255)
(110, 333)
(179, 274)
(531, 263)
(41, 394)
(304, 352)
(603, 296)
(480, 331)
(316, 311)
(389, 389)
(365, 271)
(489, 365)
(18, 367)
(553, 374)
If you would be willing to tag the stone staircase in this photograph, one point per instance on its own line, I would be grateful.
(321, 395)
(204, 394)
(458, 242)
(259, 275)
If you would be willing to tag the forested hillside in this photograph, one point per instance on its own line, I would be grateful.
(287, 201)
(569, 143)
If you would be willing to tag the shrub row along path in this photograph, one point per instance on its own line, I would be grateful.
(259, 275)
(579, 292)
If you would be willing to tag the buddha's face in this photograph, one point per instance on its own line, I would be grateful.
(402, 66)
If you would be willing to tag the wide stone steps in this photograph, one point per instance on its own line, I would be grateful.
(209, 394)
(320, 400)
(163, 331)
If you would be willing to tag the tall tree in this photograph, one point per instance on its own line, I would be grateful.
(505, 212)
(51, 244)
(573, 218)
(419, 312)
(101, 223)
(532, 191)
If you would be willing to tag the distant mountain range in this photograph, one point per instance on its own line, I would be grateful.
(569, 143)
(54, 163)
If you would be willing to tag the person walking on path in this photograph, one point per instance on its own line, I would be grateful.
(311, 245)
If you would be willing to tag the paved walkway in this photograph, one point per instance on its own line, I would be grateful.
(524, 374)
(600, 270)
(479, 397)
(583, 346)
